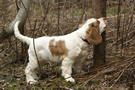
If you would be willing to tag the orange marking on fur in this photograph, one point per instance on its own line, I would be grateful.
(59, 49)
(93, 34)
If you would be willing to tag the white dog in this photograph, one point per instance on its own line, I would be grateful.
(68, 49)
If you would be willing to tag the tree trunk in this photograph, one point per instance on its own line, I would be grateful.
(99, 10)
(21, 16)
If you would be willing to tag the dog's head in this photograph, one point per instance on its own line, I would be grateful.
(94, 29)
(103, 24)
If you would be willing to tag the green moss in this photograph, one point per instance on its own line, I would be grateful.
(114, 11)
(59, 84)
(78, 11)
(126, 10)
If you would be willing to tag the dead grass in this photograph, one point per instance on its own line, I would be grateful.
(118, 72)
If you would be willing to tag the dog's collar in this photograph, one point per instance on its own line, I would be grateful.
(85, 40)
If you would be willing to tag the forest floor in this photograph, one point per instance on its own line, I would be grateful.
(118, 73)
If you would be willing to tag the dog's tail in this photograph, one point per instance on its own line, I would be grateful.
(19, 35)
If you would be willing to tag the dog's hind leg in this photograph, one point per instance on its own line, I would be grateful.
(30, 71)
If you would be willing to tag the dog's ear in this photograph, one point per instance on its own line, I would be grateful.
(95, 24)
(93, 34)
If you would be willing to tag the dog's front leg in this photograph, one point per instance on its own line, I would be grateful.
(67, 69)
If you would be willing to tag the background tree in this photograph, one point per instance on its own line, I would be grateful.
(20, 16)
(99, 10)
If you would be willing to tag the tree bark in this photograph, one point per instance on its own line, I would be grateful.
(99, 10)
(21, 16)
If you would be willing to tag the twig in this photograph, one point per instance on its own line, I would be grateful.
(58, 22)
(104, 67)
(107, 65)
(118, 25)
(122, 46)
(17, 5)
(44, 18)
(36, 52)
(121, 74)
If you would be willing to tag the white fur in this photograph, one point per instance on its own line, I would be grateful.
(77, 50)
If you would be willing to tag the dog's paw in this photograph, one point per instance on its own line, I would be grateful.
(70, 80)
